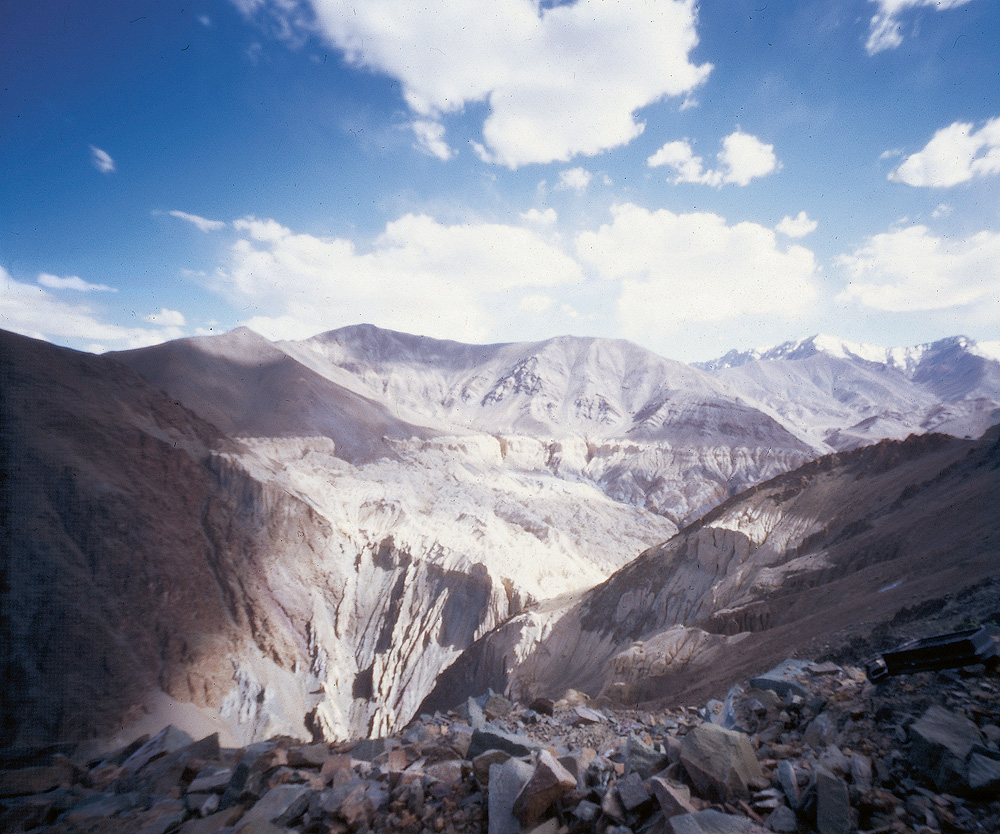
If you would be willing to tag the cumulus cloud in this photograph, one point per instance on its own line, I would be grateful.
(574, 179)
(798, 226)
(912, 269)
(71, 282)
(743, 157)
(31, 310)
(559, 80)
(430, 139)
(885, 23)
(683, 268)
(418, 276)
(548, 217)
(202, 223)
(167, 318)
(102, 160)
(955, 154)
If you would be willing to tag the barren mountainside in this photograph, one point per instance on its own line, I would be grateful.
(257, 538)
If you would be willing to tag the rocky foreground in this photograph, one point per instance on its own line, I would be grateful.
(807, 747)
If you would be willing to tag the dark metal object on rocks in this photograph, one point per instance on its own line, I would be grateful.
(946, 651)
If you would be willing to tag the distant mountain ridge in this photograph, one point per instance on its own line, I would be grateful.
(840, 395)
(355, 510)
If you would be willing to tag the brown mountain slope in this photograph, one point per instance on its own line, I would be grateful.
(805, 561)
(128, 566)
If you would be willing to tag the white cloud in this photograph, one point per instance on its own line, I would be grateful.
(536, 303)
(574, 179)
(101, 160)
(548, 217)
(202, 223)
(885, 23)
(798, 226)
(559, 80)
(430, 139)
(419, 276)
(683, 268)
(71, 282)
(942, 210)
(31, 310)
(205, 21)
(167, 318)
(912, 269)
(954, 154)
(743, 157)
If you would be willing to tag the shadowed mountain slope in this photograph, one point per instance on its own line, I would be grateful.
(803, 561)
(246, 386)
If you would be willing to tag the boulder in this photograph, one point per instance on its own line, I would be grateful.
(280, 805)
(549, 782)
(833, 803)
(674, 799)
(506, 781)
(783, 678)
(720, 763)
(940, 742)
(494, 739)
(643, 759)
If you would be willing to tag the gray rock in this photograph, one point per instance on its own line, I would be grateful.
(833, 804)
(168, 740)
(102, 805)
(506, 781)
(549, 782)
(783, 678)
(163, 817)
(643, 759)
(586, 811)
(280, 805)
(822, 730)
(494, 739)
(632, 792)
(720, 763)
(586, 715)
(940, 743)
(983, 775)
(782, 820)
(674, 799)
(484, 761)
(211, 780)
(213, 823)
(788, 779)
(713, 822)
(367, 749)
(473, 713)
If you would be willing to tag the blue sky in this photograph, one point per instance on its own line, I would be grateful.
(690, 177)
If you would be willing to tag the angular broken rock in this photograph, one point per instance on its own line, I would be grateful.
(547, 785)
(833, 804)
(783, 678)
(586, 715)
(984, 775)
(714, 822)
(631, 792)
(720, 763)
(940, 743)
(493, 739)
(168, 740)
(506, 781)
(674, 799)
(280, 805)
(642, 758)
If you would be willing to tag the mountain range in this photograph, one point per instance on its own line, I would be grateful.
(302, 537)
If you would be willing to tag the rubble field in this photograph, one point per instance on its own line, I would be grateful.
(807, 747)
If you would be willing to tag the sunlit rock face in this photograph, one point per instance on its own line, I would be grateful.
(300, 538)
(798, 563)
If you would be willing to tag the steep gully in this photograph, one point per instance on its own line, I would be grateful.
(263, 585)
